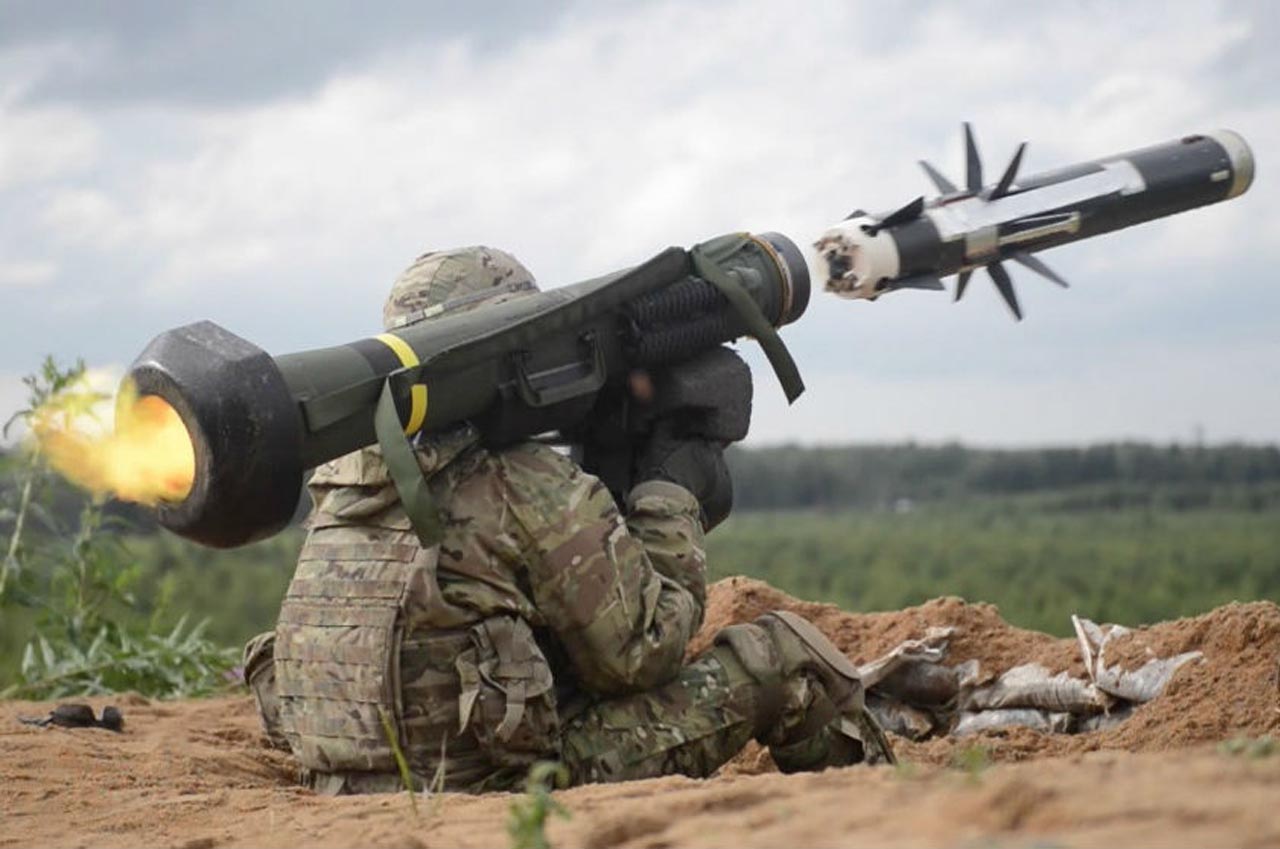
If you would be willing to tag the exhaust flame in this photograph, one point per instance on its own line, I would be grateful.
(148, 457)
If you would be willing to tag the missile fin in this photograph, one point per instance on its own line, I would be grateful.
(973, 170)
(1002, 188)
(962, 282)
(901, 215)
(1038, 266)
(944, 185)
(1004, 283)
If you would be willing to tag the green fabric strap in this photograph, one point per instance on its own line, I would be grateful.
(757, 325)
(405, 472)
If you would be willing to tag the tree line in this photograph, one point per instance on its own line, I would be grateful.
(1106, 475)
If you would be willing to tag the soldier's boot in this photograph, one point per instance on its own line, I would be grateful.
(810, 708)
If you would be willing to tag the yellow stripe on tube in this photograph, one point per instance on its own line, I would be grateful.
(417, 392)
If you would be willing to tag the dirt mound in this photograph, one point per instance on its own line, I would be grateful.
(198, 774)
(1235, 690)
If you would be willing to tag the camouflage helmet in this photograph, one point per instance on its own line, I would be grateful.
(461, 279)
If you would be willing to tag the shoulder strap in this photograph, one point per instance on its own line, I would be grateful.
(411, 483)
(708, 268)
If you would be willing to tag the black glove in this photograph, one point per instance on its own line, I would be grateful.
(695, 464)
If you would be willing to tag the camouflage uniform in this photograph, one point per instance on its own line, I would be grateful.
(546, 624)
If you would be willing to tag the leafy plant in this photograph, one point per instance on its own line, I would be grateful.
(527, 820)
(51, 387)
(178, 664)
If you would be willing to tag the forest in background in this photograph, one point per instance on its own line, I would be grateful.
(1129, 532)
(1105, 476)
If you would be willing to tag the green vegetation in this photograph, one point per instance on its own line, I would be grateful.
(527, 816)
(235, 595)
(971, 760)
(402, 764)
(1115, 476)
(180, 663)
(1251, 748)
(1039, 565)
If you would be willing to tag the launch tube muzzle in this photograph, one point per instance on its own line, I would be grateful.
(527, 366)
(244, 426)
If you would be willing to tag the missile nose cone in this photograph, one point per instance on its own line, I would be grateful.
(1241, 157)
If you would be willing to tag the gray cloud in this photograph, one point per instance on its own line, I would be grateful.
(236, 51)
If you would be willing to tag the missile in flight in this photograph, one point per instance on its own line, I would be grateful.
(983, 225)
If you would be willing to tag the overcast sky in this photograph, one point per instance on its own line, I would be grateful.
(272, 167)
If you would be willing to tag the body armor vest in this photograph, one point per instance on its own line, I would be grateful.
(369, 658)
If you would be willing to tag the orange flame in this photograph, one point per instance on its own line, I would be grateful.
(148, 457)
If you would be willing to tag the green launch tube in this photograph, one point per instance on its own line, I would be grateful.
(527, 366)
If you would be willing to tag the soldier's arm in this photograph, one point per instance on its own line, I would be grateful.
(623, 595)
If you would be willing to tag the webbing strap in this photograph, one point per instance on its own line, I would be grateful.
(706, 267)
(405, 473)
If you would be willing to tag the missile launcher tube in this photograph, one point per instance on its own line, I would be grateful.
(527, 366)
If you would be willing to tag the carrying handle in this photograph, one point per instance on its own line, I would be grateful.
(563, 382)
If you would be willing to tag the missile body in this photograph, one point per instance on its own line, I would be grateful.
(962, 230)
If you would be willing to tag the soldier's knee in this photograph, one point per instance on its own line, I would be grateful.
(754, 650)
(810, 697)
(748, 653)
(802, 679)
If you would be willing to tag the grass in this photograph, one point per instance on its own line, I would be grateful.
(1038, 565)
(406, 775)
(528, 814)
(1252, 748)
(972, 760)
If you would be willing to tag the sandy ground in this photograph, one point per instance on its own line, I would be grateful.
(197, 774)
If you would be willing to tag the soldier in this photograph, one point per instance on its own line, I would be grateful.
(547, 625)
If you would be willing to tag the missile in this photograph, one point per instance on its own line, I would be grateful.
(983, 225)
